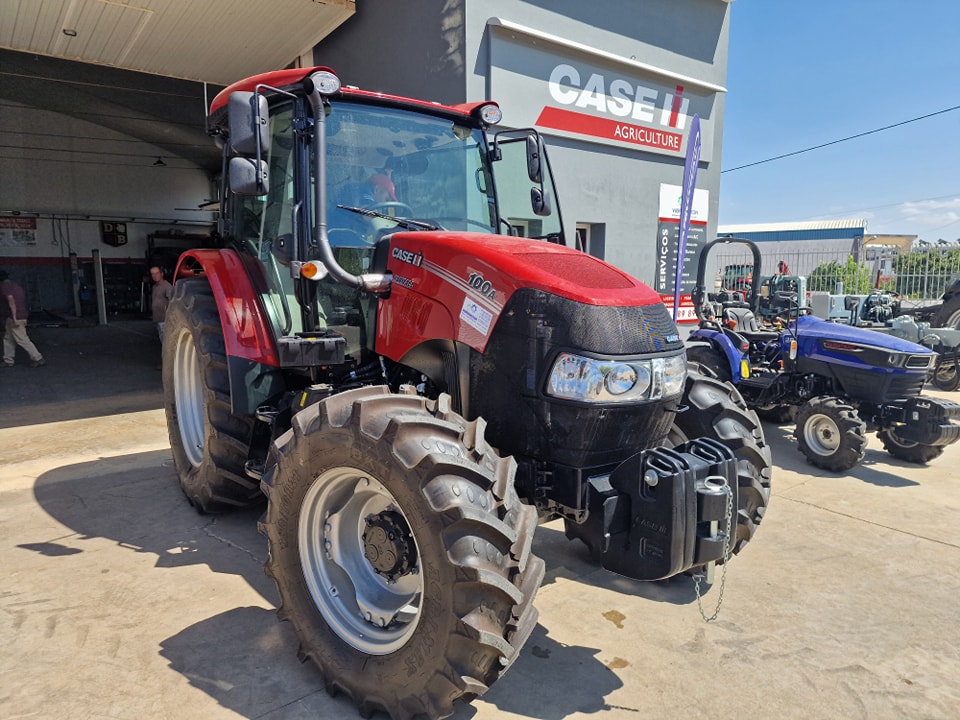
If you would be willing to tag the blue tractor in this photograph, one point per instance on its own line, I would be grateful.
(836, 381)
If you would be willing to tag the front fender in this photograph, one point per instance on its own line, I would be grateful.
(246, 328)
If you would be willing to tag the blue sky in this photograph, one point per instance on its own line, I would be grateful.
(802, 74)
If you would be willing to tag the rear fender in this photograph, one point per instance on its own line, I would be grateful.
(722, 344)
(246, 329)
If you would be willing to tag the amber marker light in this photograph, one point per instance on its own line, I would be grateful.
(313, 270)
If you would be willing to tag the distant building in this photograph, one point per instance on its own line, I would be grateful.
(880, 253)
(801, 245)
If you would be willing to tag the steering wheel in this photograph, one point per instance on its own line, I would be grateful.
(354, 238)
(381, 207)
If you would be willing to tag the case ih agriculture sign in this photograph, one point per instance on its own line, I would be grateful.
(621, 104)
(564, 90)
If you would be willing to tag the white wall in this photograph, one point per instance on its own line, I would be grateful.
(60, 177)
(72, 173)
(618, 187)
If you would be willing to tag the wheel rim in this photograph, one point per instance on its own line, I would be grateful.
(374, 613)
(822, 434)
(188, 396)
(946, 374)
(897, 440)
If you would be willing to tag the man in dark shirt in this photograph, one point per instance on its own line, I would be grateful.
(14, 312)
(162, 292)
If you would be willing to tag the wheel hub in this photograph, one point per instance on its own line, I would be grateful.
(387, 545)
(823, 435)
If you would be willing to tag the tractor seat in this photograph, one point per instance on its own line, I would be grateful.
(745, 323)
(731, 299)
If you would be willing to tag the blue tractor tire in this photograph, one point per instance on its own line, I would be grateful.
(908, 450)
(709, 358)
(830, 433)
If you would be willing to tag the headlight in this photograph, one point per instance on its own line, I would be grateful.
(575, 377)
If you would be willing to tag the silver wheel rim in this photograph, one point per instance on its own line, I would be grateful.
(365, 609)
(188, 396)
(900, 441)
(822, 434)
(946, 372)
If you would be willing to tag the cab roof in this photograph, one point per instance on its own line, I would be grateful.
(287, 79)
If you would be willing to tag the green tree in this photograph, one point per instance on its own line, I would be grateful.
(926, 273)
(855, 277)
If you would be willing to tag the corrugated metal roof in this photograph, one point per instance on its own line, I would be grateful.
(215, 41)
(790, 226)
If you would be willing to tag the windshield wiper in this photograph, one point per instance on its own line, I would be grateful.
(405, 223)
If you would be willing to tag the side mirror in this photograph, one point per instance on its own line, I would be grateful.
(535, 158)
(248, 176)
(539, 201)
(247, 114)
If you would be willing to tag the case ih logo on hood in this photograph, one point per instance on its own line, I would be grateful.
(484, 287)
(407, 256)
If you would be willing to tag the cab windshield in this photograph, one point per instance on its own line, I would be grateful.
(382, 165)
(406, 165)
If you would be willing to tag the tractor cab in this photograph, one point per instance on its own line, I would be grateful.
(319, 177)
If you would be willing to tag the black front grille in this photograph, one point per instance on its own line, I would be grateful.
(903, 386)
(507, 381)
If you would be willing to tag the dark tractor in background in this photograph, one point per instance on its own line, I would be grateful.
(838, 382)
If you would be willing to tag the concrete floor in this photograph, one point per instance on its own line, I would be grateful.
(119, 601)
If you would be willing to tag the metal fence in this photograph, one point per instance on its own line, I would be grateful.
(919, 277)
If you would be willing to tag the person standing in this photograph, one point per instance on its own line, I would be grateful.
(162, 292)
(15, 314)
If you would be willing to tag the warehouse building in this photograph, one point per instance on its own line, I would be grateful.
(106, 166)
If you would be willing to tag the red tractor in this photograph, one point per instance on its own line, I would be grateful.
(396, 347)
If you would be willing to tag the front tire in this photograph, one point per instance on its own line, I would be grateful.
(908, 450)
(401, 551)
(715, 409)
(945, 375)
(830, 434)
(209, 443)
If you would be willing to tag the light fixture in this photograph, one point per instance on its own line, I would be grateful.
(159, 162)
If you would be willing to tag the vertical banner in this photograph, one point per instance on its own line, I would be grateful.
(686, 205)
(668, 242)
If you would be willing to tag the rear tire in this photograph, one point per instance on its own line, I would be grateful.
(209, 443)
(778, 414)
(908, 450)
(948, 315)
(712, 359)
(717, 410)
(830, 434)
(401, 551)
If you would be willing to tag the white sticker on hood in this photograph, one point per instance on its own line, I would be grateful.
(475, 316)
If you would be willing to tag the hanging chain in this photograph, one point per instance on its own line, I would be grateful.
(726, 559)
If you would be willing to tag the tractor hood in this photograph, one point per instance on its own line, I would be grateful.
(510, 263)
(816, 329)
(455, 285)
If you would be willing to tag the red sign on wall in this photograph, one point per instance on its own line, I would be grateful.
(18, 223)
